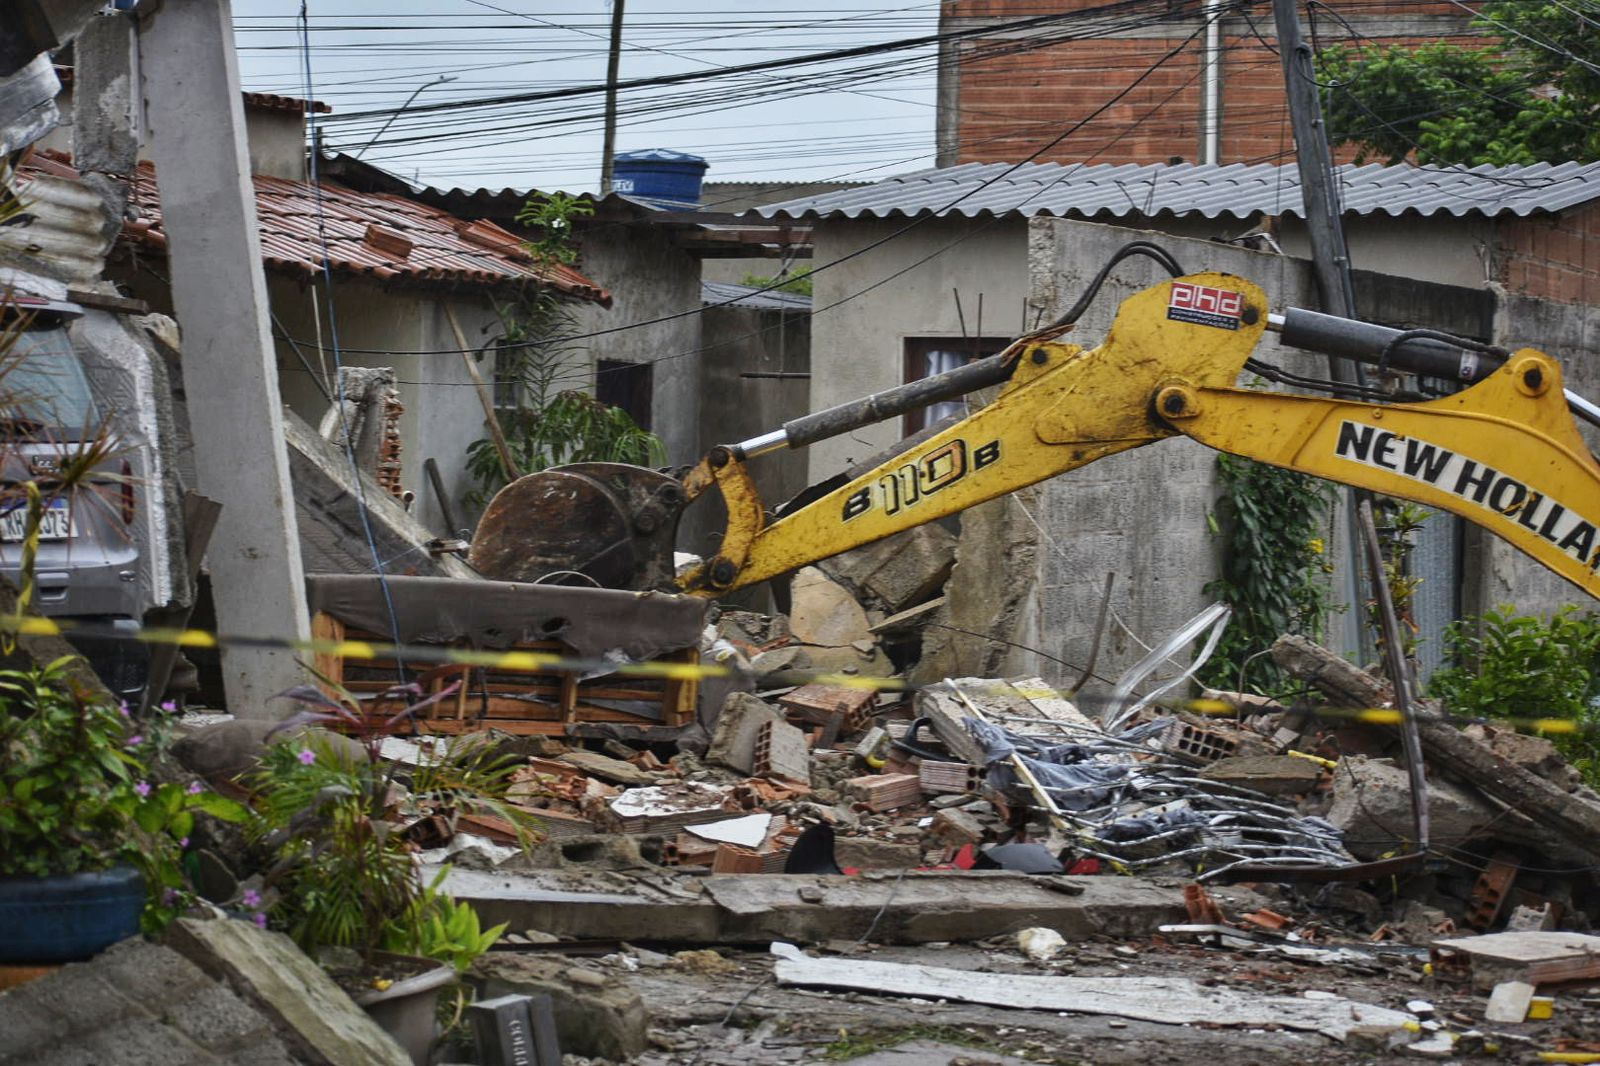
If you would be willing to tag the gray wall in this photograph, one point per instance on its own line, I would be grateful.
(734, 408)
(1496, 573)
(859, 346)
(442, 413)
(649, 277)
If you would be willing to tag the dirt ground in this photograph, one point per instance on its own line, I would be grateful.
(743, 1017)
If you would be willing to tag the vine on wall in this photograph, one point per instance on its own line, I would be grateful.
(1275, 568)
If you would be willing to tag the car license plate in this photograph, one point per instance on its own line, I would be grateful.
(55, 524)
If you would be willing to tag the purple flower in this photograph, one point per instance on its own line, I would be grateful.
(260, 920)
(195, 788)
(251, 898)
(307, 757)
(122, 709)
(171, 706)
(143, 788)
(183, 842)
(134, 741)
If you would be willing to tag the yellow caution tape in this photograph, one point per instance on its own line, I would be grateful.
(1326, 764)
(529, 661)
(1569, 1056)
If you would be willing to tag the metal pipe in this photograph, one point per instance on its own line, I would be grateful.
(879, 407)
(1211, 87)
(1365, 342)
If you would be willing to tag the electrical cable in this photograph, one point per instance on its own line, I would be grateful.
(362, 507)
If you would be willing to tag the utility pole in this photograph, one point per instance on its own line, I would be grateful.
(1321, 205)
(613, 67)
(195, 118)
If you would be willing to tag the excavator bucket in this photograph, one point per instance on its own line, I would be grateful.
(606, 524)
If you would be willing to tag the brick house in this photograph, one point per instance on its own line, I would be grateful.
(1006, 93)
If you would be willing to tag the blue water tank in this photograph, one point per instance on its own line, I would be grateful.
(673, 178)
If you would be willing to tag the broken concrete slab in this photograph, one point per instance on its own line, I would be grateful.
(138, 1003)
(1372, 807)
(898, 571)
(596, 1013)
(757, 908)
(748, 831)
(1276, 775)
(1535, 957)
(733, 741)
(1169, 1000)
(823, 612)
(606, 768)
(309, 1012)
(869, 853)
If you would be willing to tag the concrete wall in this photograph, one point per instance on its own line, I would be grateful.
(1498, 574)
(277, 142)
(442, 413)
(649, 277)
(734, 408)
(858, 347)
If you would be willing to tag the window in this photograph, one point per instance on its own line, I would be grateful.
(627, 386)
(47, 385)
(927, 356)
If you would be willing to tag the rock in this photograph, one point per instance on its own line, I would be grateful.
(138, 1003)
(957, 827)
(608, 769)
(865, 853)
(603, 1017)
(770, 662)
(844, 660)
(1040, 944)
(1508, 1003)
(898, 571)
(705, 962)
(309, 1013)
(1273, 774)
(1532, 753)
(733, 741)
(1372, 807)
(222, 751)
(823, 612)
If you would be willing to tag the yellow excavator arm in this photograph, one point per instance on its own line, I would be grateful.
(1504, 452)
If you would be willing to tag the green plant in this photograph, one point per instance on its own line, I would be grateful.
(442, 928)
(1532, 95)
(544, 424)
(74, 795)
(1507, 665)
(343, 873)
(799, 282)
(1274, 566)
(1398, 523)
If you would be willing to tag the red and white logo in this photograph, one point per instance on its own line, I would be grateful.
(1203, 305)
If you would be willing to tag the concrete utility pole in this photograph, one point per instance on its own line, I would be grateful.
(613, 68)
(1330, 256)
(195, 117)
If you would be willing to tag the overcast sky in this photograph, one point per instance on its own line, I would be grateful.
(857, 119)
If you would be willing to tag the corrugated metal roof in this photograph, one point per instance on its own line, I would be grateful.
(373, 234)
(1239, 190)
(721, 292)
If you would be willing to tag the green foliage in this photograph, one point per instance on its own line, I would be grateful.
(798, 282)
(1398, 523)
(544, 424)
(1506, 665)
(1274, 566)
(343, 874)
(553, 216)
(1532, 96)
(439, 927)
(73, 794)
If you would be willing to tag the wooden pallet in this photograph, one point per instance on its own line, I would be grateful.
(542, 701)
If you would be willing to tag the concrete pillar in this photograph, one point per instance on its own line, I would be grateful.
(195, 120)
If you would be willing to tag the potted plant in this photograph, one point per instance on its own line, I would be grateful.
(344, 880)
(91, 850)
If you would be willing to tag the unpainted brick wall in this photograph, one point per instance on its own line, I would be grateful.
(1556, 257)
(1013, 101)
